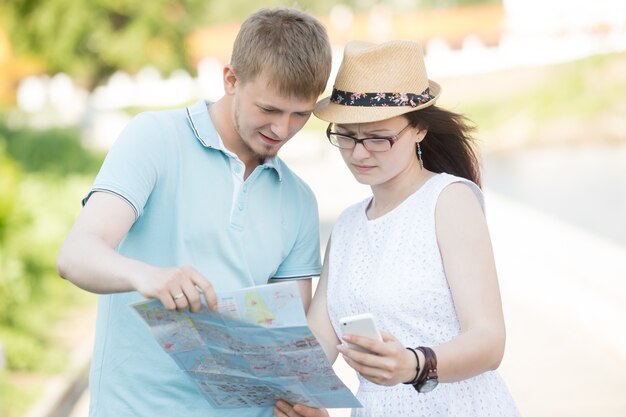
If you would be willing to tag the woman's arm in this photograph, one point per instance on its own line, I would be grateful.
(318, 318)
(320, 324)
(304, 286)
(469, 265)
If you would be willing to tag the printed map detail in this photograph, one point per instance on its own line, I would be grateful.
(257, 348)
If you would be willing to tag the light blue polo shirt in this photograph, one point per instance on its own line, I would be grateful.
(193, 208)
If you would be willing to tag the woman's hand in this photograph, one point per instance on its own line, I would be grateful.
(387, 362)
(284, 409)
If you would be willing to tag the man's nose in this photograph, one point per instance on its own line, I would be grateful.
(280, 127)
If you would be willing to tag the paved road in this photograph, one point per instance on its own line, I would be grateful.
(563, 291)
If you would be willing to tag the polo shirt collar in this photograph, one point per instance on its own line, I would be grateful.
(205, 132)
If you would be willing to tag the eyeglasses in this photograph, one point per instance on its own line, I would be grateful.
(378, 144)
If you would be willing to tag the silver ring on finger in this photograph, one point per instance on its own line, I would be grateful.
(178, 296)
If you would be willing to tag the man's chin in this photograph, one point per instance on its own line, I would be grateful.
(263, 156)
(267, 152)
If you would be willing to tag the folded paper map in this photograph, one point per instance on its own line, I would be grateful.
(255, 349)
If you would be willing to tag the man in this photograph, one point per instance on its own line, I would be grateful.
(194, 201)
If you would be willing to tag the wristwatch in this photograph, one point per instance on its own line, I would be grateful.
(428, 380)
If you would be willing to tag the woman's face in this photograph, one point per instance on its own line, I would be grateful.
(379, 167)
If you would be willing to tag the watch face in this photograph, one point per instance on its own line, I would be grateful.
(428, 385)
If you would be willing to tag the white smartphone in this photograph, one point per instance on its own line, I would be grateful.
(362, 325)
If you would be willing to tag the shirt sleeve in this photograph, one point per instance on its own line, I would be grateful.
(132, 166)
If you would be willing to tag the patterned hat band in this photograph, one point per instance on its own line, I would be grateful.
(348, 98)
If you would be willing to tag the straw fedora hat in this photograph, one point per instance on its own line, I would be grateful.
(377, 82)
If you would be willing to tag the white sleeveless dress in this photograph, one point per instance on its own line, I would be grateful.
(391, 266)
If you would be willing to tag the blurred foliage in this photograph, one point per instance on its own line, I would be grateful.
(91, 39)
(51, 151)
(14, 400)
(43, 175)
(583, 90)
(9, 179)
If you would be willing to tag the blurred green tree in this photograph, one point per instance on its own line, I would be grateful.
(91, 39)
(9, 181)
(43, 175)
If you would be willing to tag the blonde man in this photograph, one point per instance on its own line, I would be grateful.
(195, 201)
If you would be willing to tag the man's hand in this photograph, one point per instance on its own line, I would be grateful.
(177, 288)
(284, 409)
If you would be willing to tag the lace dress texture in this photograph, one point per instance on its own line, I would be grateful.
(391, 267)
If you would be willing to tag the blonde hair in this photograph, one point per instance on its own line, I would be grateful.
(288, 46)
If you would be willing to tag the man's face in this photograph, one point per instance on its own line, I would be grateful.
(265, 119)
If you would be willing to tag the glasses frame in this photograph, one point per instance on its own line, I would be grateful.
(390, 139)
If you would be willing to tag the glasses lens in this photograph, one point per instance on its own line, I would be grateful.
(377, 145)
(344, 142)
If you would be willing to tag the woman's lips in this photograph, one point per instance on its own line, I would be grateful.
(363, 168)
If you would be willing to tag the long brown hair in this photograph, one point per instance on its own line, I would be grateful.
(449, 144)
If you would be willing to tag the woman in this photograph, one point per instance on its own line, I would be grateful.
(417, 254)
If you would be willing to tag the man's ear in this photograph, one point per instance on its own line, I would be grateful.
(230, 80)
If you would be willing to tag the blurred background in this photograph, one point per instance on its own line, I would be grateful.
(545, 82)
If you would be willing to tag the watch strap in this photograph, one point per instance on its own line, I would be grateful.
(430, 366)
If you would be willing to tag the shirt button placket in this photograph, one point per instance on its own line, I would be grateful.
(236, 217)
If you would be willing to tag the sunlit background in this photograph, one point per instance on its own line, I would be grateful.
(545, 82)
